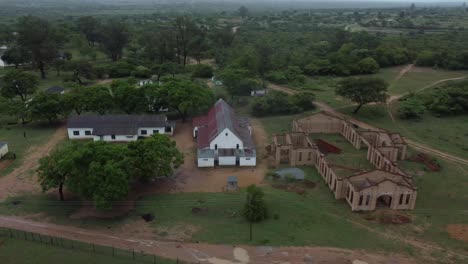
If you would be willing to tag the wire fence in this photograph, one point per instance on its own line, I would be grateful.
(132, 255)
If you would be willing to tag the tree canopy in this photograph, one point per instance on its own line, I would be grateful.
(363, 90)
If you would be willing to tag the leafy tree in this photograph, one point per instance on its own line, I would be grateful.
(411, 108)
(16, 55)
(15, 108)
(19, 83)
(265, 52)
(115, 37)
(368, 66)
(98, 99)
(186, 97)
(202, 71)
(185, 30)
(243, 11)
(362, 90)
(80, 70)
(55, 169)
(47, 106)
(255, 209)
(37, 36)
(75, 100)
(89, 27)
(127, 98)
(153, 157)
(237, 81)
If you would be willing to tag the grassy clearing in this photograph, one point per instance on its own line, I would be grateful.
(16, 251)
(281, 124)
(36, 135)
(349, 157)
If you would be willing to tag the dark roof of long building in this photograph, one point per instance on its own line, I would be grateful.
(117, 124)
(220, 117)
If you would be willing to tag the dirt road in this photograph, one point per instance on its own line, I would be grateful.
(207, 253)
(418, 146)
(23, 179)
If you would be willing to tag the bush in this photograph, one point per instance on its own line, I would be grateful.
(202, 71)
(277, 77)
(278, 103)
(141, 72)
(411, 108)
(120, 69)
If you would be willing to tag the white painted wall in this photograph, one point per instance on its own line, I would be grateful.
(82, 133)
(118, 138)
(206, 162)
(227, 161)
(3, 150)
(150, 131)
(226, 140)
(250, 161)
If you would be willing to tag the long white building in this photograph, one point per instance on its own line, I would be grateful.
(118, 128)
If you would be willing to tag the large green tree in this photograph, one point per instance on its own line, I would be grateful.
(153, 157)
(127, 98)
(186, 97)
(89, 27)
(41, 39)
(115, 36)
(98, 99)
(47, 106)
(363, 90)
(20, 84)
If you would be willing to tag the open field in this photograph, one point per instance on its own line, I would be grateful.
(21, 139)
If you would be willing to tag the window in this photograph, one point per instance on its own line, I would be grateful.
(407, 198)
(352, 196)
(205, 159)
(144, 132)
(87, 132)
(113, 136)
(300, 156)
(226, 134)
(237, 146)
(129, 136)
(216, 146)
(361, 197)
(76, 132)
(309, 156)
(247, 158)
(401, 199)
(367, 199)
(155, 131)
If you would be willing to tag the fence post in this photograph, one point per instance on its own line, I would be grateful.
(40, 238)
(112, 251)
(25, 236)
(154, 259)
(51, 240)
(94, 248)
(72, 244)
(61, 242)
(133, 254)
(11, 233)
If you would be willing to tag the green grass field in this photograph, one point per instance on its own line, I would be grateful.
(36, 134)
(18, 251)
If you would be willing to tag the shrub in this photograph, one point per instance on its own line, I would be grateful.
(202, 71)
(120, 69)
(411, 108)
(277, 77)
(141, 72)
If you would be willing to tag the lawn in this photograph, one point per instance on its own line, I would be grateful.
(18, 251)
(36, 134)
(350, 157)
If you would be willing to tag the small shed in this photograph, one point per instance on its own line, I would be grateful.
(258, 93)
(3, 149)
(55, 90)
(232, 184)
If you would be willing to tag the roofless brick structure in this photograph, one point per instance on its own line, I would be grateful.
(386, 185)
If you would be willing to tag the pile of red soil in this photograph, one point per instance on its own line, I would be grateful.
(429, 162)
(326, 147)
(459, 232)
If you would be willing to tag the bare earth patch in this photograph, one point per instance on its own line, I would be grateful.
(24, 179)
(459, 232)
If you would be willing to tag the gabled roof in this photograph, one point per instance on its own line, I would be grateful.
(220, 117)
(364, 180)
(116, 124)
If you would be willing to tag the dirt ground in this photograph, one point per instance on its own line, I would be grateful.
(206, 253)
(190, 178)
(24, 179)
(459, 232)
